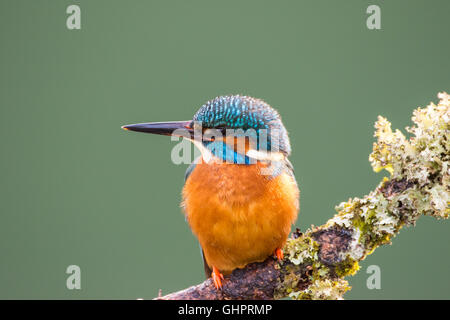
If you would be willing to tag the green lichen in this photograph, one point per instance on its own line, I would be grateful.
(419, 184)
(302, 249)
(348, 267)
(323, 289)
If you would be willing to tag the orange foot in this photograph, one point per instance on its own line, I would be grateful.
(279, 254)
(217, 278)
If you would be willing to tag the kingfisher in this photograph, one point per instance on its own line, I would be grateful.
(240, 196)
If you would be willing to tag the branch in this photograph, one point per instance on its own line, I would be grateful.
(317, 261)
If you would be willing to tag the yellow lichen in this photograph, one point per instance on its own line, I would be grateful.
(419, 184)
(323, 290)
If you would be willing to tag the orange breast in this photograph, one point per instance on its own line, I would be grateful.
(239, 215)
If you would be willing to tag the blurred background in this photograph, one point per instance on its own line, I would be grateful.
(77, 190)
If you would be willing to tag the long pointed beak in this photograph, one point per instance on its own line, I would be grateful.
(175, 128)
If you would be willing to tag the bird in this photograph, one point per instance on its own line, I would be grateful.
(240, 196)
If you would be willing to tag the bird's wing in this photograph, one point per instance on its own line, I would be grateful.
(205, 264)
(190, 169)
(289, 167)
(208, 271)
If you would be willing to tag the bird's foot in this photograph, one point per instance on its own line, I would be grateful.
(279, 254)
(217, 278)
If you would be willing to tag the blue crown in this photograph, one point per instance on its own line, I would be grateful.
(243, 112)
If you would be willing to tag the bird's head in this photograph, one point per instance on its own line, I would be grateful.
(236, 129)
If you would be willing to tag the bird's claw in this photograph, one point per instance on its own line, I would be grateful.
(217, 278)
(279, 254)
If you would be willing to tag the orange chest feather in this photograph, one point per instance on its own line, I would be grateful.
(238, 214)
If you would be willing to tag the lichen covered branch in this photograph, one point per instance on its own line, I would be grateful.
(317, 261)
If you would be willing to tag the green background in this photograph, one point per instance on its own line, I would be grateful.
(76, 189)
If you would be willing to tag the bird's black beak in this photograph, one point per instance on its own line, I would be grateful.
(173, 128)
